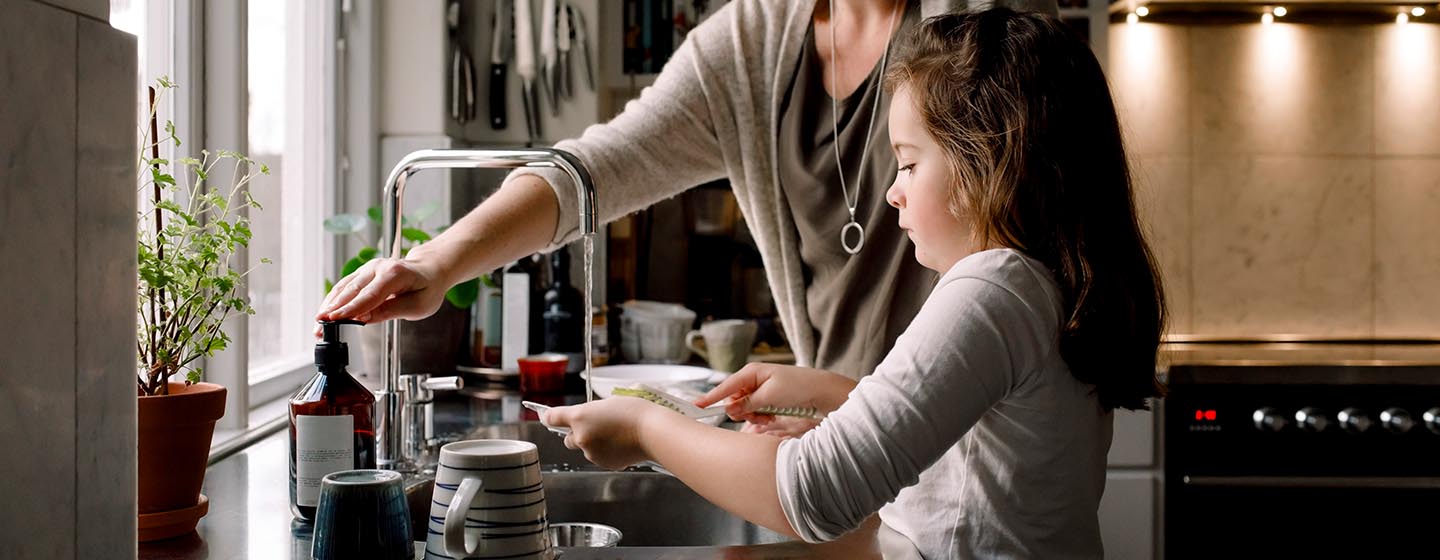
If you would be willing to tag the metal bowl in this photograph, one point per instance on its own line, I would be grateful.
(583, 535)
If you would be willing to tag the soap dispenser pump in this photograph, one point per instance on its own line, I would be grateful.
(331, 422)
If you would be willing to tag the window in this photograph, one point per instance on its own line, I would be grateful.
(287, 65)
(268, 92)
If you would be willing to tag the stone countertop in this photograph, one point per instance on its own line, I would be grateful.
(1301, 353)
(250, 513)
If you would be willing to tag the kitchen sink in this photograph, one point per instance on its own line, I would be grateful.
(650, 508)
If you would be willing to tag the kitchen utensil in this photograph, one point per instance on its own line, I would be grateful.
(362, 514)
(667, 400)
(525, 68)
(562, 46)
(499, 33)
(548, 53)
(654, 332)
(584, 535)
(580, 38)
(542, 373)
(727, 343)
(489, 501)
(462, 69)
(605, 379)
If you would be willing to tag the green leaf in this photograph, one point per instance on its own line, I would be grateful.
(193, 376)
(351, 266)
(464, 294)
(264, 260)
(329, 286)
(375, 215)
(162, 178)
(345, 223)
(369, 253)
(415, 235)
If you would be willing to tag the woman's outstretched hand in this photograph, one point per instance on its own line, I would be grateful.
(384, 289)
(760, 385)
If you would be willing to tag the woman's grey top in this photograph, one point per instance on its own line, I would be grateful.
(972, 439)
(713, 113)
(857, 304)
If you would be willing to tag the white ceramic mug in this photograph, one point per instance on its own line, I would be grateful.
(489, 501)
(727, 343)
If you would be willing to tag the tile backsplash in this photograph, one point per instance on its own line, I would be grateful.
(1288, 174)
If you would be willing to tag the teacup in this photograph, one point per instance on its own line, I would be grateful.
(362, 515)
(727, 343)
(489, 502)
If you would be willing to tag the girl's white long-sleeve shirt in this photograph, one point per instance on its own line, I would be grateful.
(972, 439)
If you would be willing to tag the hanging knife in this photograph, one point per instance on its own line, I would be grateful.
(525, 67)
(497, 67)
(582, 42)
(547, 52)
(562, 39)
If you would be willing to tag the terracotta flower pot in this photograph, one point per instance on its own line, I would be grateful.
(174, 445)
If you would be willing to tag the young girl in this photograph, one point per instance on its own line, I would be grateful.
(984, 432)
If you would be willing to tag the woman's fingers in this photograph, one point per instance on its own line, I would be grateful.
(344, 290)
(387, 281)
(738, 385)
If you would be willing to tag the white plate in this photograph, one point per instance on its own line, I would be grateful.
(663, 376)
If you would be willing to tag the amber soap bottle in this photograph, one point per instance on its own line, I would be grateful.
(331, 423)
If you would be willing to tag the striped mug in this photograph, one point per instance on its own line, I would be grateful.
(489, 502)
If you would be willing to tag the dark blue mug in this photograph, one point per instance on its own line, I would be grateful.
(363, 515)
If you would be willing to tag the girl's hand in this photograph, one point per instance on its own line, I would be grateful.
(384, 289)
(608, 430)
(783, 427)
(759, 385)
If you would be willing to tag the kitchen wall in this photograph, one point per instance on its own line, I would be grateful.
(67, 237)
(1289, 174)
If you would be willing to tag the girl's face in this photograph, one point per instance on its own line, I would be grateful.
(922, 190)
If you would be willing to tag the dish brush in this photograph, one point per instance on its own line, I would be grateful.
(683, 406)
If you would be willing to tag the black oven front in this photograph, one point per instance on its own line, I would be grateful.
(1302, 462)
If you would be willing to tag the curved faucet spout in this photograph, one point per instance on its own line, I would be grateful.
(389, 451)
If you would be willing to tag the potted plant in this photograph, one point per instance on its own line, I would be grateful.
(433, 345)
(187, 231)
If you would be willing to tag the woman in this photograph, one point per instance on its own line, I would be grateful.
(757, 94)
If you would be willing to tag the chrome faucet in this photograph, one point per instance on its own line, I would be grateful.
(392, 452)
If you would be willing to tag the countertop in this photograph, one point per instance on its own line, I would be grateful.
(250, 514)
(1300, 352)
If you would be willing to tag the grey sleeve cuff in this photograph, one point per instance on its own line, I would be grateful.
(808, 494)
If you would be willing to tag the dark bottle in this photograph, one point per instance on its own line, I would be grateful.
(331, 423)
(564, 311)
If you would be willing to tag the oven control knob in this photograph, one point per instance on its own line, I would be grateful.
(1396, 420)
(1353, 420)
(1432, 419)
(1268, 420)
(1311, 419)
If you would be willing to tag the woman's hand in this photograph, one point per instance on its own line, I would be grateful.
(608, 430)
(759, 385)
(385, 289)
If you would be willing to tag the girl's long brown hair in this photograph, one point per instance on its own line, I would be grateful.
(1021, 109)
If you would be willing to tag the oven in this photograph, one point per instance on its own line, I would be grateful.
(1327, 461)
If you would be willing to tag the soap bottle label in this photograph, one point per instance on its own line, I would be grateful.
(323, 445)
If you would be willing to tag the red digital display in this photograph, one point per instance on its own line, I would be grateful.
(1202, 415)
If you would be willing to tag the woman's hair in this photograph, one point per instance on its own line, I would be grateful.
(1020, 107)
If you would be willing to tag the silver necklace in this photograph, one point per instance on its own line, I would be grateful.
(835, 127)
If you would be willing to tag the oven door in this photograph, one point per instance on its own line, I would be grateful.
(1314, 517)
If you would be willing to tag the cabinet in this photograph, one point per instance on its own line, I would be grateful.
(1129, 510)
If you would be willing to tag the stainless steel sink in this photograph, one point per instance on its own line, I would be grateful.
(651, 509)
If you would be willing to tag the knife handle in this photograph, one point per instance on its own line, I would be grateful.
(497, 96)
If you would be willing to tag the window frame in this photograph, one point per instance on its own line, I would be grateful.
(202, 46)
